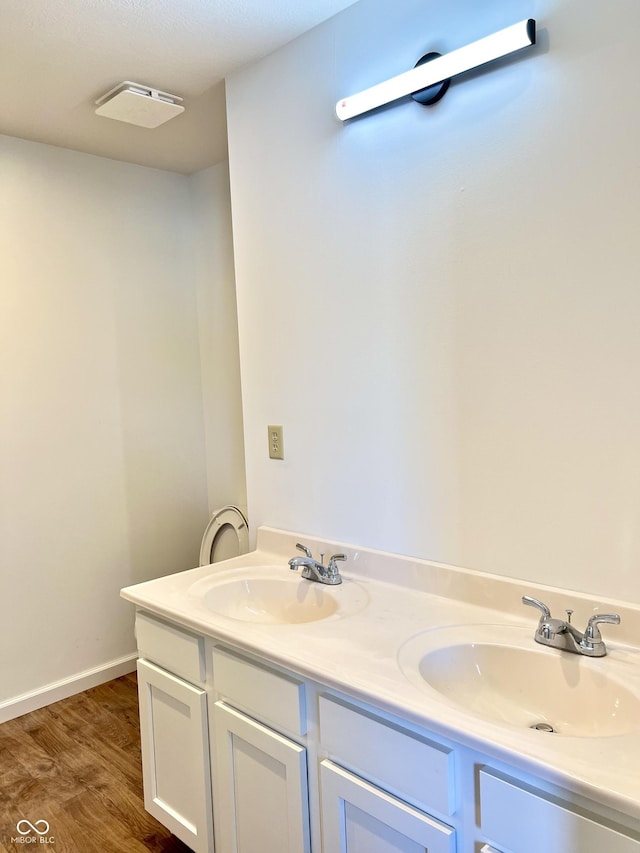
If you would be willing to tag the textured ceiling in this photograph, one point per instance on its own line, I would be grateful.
(58, 56)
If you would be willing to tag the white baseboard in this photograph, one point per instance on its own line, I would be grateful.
(50, 693)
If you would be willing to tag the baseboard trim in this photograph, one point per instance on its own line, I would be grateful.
(50, 693)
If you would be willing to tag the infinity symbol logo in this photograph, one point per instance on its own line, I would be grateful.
(24, 827)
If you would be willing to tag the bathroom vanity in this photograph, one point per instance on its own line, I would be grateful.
(280, 714)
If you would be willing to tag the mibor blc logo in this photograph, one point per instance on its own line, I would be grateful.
(36, 832)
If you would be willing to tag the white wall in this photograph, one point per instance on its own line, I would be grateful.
(102, 451)
(441, 305)
(218, 337)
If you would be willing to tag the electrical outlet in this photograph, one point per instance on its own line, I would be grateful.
(276, 446)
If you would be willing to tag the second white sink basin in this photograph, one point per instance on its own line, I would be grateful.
(275, 596)
(499, 673)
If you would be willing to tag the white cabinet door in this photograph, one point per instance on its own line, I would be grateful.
(175, 755)
(517, 820)
(359, 818)
(261, 794)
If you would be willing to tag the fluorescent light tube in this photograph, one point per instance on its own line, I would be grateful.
(515, 37)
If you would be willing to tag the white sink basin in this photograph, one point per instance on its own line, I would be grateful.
(275, 596)
(499, 673)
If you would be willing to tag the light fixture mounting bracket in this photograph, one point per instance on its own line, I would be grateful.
(430, 94)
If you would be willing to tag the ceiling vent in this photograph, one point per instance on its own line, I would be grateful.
(140, 105)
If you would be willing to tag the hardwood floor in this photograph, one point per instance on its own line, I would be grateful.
(76, 765)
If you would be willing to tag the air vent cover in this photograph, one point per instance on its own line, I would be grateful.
(140, 105)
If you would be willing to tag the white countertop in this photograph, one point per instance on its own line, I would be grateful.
(358, 654)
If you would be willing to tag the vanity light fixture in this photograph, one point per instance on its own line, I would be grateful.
(429, 79)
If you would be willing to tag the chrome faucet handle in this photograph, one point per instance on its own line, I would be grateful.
(331, 566)
(542, 607)
(592, 633)
(305, 550)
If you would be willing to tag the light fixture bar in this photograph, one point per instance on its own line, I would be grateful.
(502, 43)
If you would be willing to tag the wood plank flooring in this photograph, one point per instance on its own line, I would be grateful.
(76, 764)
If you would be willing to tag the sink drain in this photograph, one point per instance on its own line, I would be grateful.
(542, 727)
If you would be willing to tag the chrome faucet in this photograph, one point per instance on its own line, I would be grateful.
(313, 570)
(561, 634)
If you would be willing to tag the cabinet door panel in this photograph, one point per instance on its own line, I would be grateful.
(359, 818)
(262, 801)
(272, 697)
(412, 767)
(175, 755)
(520, 821)
(170, 647)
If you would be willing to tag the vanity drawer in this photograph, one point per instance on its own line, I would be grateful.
(269, 696)
(171, 647)
(405, 764)
(515, 818)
